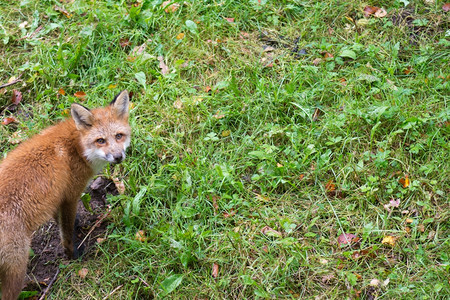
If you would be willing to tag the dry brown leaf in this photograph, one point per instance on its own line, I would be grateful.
(16, 97)
(62, 92)
(271, 232)
(219, 116)
(124, 42)
(230, 214)
(83, 272)
(230, 20)
(380, 13)
(346, 239)
(215, 270)
(162, 65)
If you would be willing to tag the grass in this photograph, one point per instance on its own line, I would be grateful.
(249, 158)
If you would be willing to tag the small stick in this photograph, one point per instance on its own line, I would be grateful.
(113, 291)
(49, 285)
(95, 226)
(10, 83)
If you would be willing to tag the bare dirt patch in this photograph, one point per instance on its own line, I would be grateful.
(48, 252)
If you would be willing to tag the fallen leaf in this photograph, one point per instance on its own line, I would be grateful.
(279, 165)
(112, 86)
(346, 239)
(219, 116)
(227, 215)
(119, 185)
(80, 95)
(301, 176)
(162, 65)
(270, 232)
(389, 240)
(317, 61)
(178, 104)
(83, 272)
(100, 240)
(375, 282)
(327, 55)
(262, 198)
(244, 35)
(140, 236)
(408, 230)
(8, 120)
(404, 181)
(65, 112)
(16, 97)
(214, 202)
(215, 270)
(409, 220)
(62, 92)
(446, 7)
(327, 278)
(380, 13)
(207, 88)
(226, 133)
(63, 11)
(421, 227)
(170, 8)
(180, 36)
(343, 81)
(330, 186)
(370, 10)
(407, 70)
(230, 20)
(124, 42)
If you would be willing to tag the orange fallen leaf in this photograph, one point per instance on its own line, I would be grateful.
(301, 176)
(407, 70)
(112, 86)
(215, 270)
(140, 236)
(8, 120)
(404, 181)
(327, 55)
(83, 272)
(230, 20)
(409, 220)
(370, 10)
(207, 88)
(80, 95)
(62, 92)
(180, 36)
(330, 186)
(65, 112)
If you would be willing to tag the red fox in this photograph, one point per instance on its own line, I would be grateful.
(45, 176)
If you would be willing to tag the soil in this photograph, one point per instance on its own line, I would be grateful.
(48, 252)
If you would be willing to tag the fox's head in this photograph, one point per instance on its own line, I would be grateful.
(104, 132)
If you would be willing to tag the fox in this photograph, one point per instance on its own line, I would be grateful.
(44, 177)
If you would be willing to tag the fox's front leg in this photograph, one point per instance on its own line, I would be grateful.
(68, 223)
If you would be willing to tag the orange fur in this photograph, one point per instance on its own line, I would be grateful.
(45, 176)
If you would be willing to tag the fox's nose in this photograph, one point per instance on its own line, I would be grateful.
(118, 158)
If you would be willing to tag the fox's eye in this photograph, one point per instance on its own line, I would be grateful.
(100, 141)
(119, 136)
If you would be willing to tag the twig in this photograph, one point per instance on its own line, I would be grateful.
(113, 291)
(95, 226)
(49, 285)
(11, 83)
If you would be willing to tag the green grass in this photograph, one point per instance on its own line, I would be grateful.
(208, 170)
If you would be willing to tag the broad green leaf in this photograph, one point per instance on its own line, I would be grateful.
(171, 283)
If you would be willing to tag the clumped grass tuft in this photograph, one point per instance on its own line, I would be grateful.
(278, 127)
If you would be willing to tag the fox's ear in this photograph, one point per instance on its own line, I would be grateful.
(81, 115)
(121, 103)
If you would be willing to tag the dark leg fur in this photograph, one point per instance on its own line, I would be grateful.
(67, 216)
